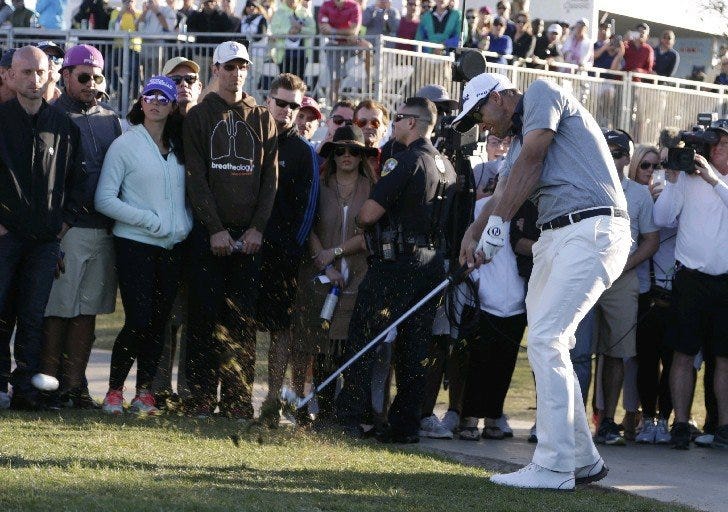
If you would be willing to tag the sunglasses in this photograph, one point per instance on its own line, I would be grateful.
(351, 150)
(177, 79)
(151, 98)
(233, 67)
(283, 103)
(362, 123)
(521, 22)
(470, 17)
(399, 117)
(647, 165)
(476, 115)
(85, 77)
(339, 120)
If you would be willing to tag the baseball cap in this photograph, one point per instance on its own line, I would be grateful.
(163, 84)
(477, 90)
(83, 55)
(179, 61)
(621, 139)
(230, 50)
(643, 25)
(309, 102)
(45, 45)
(438, 95)
(554, 27)
(582, 21)
(7, 59)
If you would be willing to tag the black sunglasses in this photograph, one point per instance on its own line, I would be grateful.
(283, 103)
(399, 117)
(476, 115)
(352, 150)
(85, 77)
(177, 79)
(339, 120)
(646, 165)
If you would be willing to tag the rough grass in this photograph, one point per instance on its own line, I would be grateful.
(82, 461)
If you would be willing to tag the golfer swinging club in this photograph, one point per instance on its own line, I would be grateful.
(560, 157)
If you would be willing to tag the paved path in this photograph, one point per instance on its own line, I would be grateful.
(698, 477)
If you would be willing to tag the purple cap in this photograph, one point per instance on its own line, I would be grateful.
(83, 55)
(163, 84)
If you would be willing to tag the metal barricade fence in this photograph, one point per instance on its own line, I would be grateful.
(386, 69)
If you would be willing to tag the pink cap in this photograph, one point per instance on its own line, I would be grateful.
(308, 102)
(83, 55)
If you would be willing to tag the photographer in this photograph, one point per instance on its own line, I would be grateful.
(700, 289)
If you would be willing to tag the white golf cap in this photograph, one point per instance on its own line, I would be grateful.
(477, 90)
(230, 50)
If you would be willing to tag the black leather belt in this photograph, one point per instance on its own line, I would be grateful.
(573, 218)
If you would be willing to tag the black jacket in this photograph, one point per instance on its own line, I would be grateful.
(41, 177)
(294, 207)
(99, 127)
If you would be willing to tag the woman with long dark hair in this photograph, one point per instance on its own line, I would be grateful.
(142, 188)
(337, 253)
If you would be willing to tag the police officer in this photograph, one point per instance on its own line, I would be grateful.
(403, 222)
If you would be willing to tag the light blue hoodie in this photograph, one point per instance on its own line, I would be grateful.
(143, 192)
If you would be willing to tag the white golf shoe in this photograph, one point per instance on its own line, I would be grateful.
(534, 476)
(591, 473)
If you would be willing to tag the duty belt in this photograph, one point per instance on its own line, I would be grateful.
(574, 217)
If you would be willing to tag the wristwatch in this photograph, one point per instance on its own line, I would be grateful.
(338, 252)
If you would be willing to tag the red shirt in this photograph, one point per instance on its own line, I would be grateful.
(348, 15)
(640, 59)
(407, 30)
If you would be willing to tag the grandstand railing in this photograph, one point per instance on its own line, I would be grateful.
(389, 70)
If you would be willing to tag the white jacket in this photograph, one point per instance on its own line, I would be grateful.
(143, 192)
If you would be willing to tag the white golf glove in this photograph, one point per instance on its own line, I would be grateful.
(493, 237)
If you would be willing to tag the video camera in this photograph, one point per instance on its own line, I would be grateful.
(450, 142)
(697, 141)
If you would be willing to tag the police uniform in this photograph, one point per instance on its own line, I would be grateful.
(415, 190)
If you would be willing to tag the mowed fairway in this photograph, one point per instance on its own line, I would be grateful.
(83, 461)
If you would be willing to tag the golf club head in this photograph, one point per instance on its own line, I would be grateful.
(289, 398)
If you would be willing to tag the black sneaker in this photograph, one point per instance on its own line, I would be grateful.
(720, 439)
(609, 433)
(391, 437)
(680, 435)
(79, 398)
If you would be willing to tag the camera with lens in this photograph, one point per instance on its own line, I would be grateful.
(697, 141)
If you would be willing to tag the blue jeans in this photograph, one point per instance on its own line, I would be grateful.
(30, 265)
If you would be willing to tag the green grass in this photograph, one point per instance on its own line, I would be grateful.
(80, 461)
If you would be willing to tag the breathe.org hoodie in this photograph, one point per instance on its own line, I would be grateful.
(231, 154)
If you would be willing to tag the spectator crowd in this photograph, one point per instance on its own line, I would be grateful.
(215, 217)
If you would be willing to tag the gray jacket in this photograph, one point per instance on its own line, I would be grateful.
(99, 127)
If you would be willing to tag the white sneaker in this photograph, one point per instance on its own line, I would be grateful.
(4, 400)
(662, 432)
(704, 441)
(451, 420)
(432, 428)
(502, 423)
(534, 476)
(591, 473)
(648, 433)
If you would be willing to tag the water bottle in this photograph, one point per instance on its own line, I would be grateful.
(327, 312)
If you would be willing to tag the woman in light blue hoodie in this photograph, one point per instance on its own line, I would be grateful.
(142, 187)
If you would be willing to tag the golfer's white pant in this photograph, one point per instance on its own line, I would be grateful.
(572, 266)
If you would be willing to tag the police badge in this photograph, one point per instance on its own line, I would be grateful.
(389, 166)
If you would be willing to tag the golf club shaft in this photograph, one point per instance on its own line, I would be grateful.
(376, 340)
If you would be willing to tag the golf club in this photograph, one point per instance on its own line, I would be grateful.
(291, 399)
